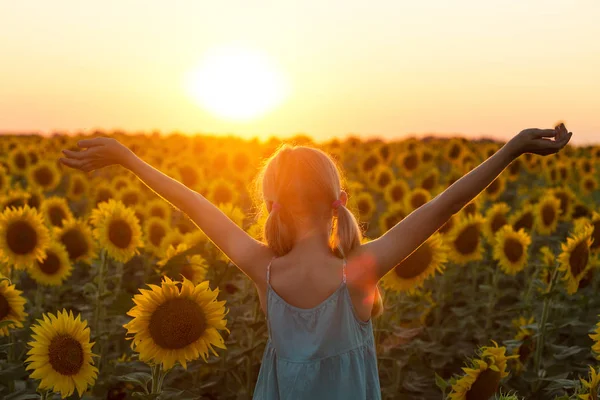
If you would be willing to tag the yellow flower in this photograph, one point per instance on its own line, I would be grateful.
(482, 378)
(102, 192)
(596, 338)
(76, 236)
(495, 218)
(396, 191)
(394, 214)
(78, 186)
(546, 214)
(192, 267)
(54, 269)
(173, 323)
(23, 237)
(130, 196)
(523, 218)
(464, 239)
(55, 210)
(575, 256)
(18, 161)
(4, 180)
(12, 306)
(510, 249)
(409, 162)
(495, 189)
(13, 199)
(567, 201)
(117, 230)
(221, 191)
(383, 176)
(61, 354)
(430, 181)
(590, 385)
(44, 175)
(416, 198)
(155, 230)
(365, 205)
(418, 266)
(548, 260)
(525, 336)
(159, 208)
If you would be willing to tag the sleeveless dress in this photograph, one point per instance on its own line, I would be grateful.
(324, 352)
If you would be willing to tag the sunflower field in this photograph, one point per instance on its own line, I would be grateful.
(108, 292)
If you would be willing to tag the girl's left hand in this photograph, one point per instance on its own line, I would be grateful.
(99, 152)
(536, 141)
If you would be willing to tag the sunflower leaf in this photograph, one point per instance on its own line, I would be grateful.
(141, 378)
(441, 383)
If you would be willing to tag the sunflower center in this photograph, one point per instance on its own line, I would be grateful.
(548, 214)
(21, 237)
(525, 221)
(447, 226)
(485, 386)
(467, 240)
(130, 199)
(65, 354)
(411, 161)
(43, 176)
(514, 167)
(20, 161)
(56, 215)
(222, 194)
(157, 212)
(454, 151)
(564, 202)
(188, 272)
(384, 180)
(119, 233)
(415, 264)
(493, 187)
(157, 233)
(188, 175)
(579, 258)
(498, 221)
(428, 182)
(103, 195)
(369, 163)
(77, 188)
(364, 207)
(596, 236)
(513, 249)
(417, 200)
(34, 201)
(525, 349)
(4, 307)
(75, 243)
(50, 265)
(177, 323)
(397, 193)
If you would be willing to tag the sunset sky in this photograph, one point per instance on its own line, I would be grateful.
(373, 68)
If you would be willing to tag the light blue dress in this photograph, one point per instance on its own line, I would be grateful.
(324, 352)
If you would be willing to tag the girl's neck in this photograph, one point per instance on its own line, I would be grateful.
(312, 239)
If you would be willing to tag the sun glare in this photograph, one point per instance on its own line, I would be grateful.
(237, 83)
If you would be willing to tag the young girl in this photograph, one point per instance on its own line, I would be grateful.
(316, 282)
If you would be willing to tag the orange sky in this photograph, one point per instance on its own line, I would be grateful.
(385, 68)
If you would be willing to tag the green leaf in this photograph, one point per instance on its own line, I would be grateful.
(441, 383)
(141, 378)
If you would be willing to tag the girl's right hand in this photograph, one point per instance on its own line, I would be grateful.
(99, 152)
(535, 141)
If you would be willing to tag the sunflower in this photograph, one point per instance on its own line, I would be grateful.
(102, 192)
(35, 198)
(192, 267)
(61, 354)
(418, 266)
(430, 181)
(525, 336)
(369, 162)
(595, 221)
(546, 213)
(409, 162)
(54, 269)
(416, 198)
(14, 198)
(510, 249)
(23, 237)
(495, 218)
(121, 183)
(197, 237)
(495, 189)
(394, 214)
(55, 210)
(383, 176)
(130, 196)
(523, 218)
(365, 205)
(464, 239)
(78, 187)
(76, 236)
(596, 338)
(448, 225)
(44, 175)
(454, 149)
(396, 191)
(172, 238)
(482, 378)
(117, 230)
(155, 230)
(12, 306)
(575, 256)
(176, 323)
(473, 207)
(159, 208)
(221, 191)
(567, 201)
(18, 161)
(590, 387)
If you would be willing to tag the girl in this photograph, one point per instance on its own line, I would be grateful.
(316, 282)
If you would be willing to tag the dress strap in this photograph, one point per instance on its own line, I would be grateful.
(269, 268)
(344, 270)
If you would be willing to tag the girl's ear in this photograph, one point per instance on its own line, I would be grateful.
(344, 197)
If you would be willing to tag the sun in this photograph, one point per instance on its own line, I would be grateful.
(237, 83)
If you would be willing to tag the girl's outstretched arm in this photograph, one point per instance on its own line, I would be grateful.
(405, 237)
(245, 252)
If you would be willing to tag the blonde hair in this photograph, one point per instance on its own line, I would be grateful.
(305, 180)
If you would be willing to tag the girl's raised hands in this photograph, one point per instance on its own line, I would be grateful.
(539, 141)
(99, 152)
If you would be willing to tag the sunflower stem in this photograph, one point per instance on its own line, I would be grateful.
(156, 380)
(542, 332)
(45, 395)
